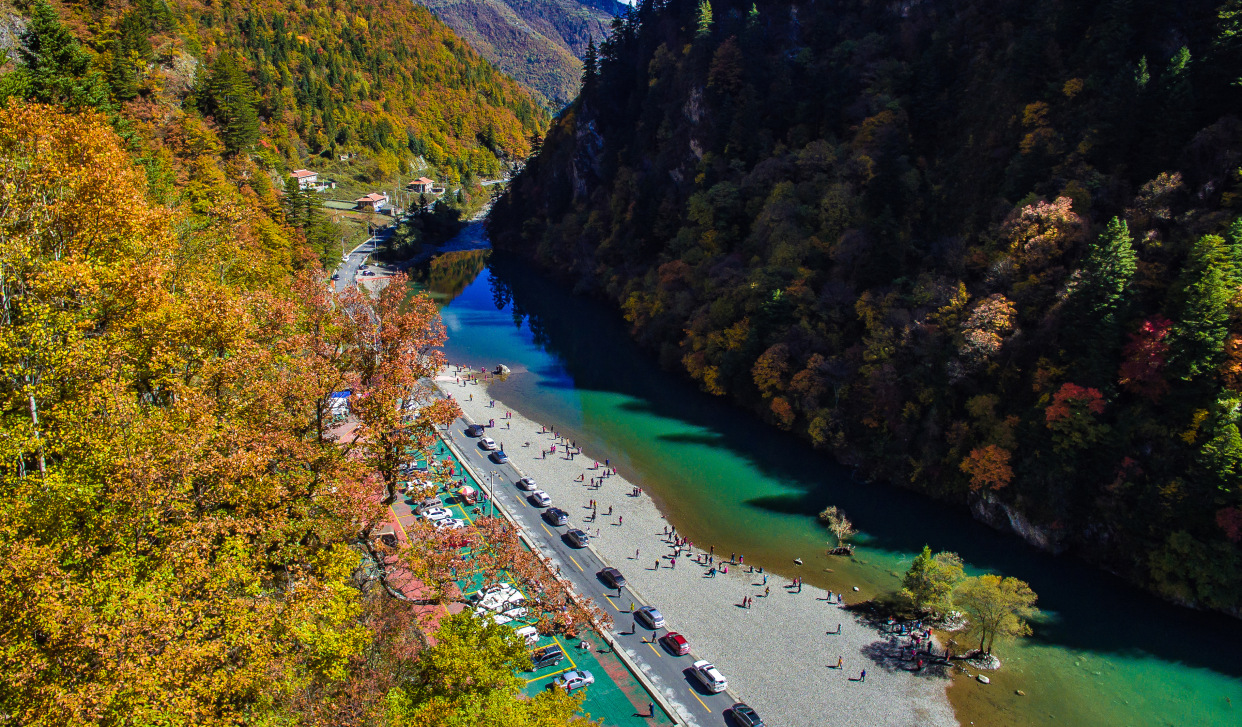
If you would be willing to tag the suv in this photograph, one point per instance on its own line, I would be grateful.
(546, 657)
(430, 503)
(709, 676)
(527, 484)
(539, 498)
(577, 538)
(474, 430)
(556, 516)
(650, 617)
(612, 577)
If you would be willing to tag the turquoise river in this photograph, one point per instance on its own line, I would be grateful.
(1103, 654)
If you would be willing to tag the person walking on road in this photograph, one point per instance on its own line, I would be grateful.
(766, 592)
(840, 662)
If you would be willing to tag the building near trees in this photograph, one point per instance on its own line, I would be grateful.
(373, 202)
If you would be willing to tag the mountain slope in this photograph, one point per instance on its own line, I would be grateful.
(988, 249)
(538, 42)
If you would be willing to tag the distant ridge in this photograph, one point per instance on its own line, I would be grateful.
(540, 43)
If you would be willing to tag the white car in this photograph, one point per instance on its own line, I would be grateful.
(437, 513)
(527, 484)
(539, 498)
(503, 602)
(489, 444)
(491, 590)
(451, 523)
(709, 676)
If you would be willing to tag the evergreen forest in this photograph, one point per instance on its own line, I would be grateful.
(991, 250)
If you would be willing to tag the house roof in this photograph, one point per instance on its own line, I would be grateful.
(373, 197)
(424, 180)
(303, 173)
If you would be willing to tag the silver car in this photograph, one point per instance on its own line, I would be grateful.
(572, 680)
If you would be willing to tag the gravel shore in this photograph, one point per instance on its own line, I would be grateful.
(777, 655)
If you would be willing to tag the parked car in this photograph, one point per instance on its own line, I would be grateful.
(437, 513)
(572, 680)
(489, 444)
(612, 577)
(499, 457)
(744, 716)
(650, 616)
(539, 498)
(528, 634)
(577, 538)
(431, 503)
(546, 657)
(451, 523)
(709, 676)
(495, 588)
(675, 643)
(527, 484)
(474, 430)
(556, 516)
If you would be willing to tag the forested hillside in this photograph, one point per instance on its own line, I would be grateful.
(540, 43)
(991, 250)
(213, 97)
(185, 538)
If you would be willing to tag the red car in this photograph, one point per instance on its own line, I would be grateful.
(675, 643)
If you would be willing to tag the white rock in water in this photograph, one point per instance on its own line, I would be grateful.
(983, 680)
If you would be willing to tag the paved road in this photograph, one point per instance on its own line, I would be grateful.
(670, 672)
(347, 271)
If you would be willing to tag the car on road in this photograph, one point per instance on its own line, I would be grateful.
(336, 276)
(474, 430)
(556, 516)
(577, 538)
(499, 457)
(451, 523)
(368, 273)
(612, 577)
(572, 680)
(546, 657)
(709, 676)
(539, 498)
(650, 617)
(437, 513)
(489, 444)
(744, 716)
(527, 484)
(675, 643)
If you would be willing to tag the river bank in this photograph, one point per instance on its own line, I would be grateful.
(778, 654)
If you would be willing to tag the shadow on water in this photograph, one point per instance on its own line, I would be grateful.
(1094, 610)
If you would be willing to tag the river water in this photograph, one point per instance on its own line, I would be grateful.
(1104, 653)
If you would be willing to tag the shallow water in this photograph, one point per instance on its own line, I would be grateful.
(1105, 654)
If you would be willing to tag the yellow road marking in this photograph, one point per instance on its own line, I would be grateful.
(612, 604)
(653, 648)
(576, 563)
(545, 529)
(696, 696)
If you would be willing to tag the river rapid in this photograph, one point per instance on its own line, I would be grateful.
(1103, 654)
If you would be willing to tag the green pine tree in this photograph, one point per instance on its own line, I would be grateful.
(704, 23)
(1202, 301)
(57, 69)
(122, 76)
(229, 98)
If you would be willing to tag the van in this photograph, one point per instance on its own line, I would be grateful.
(546, 657)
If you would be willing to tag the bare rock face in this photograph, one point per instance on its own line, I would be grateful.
(587, 149)
(988, 509)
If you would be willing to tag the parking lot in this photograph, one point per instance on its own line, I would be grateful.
(617, 697)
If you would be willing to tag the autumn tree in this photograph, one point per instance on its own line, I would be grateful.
(996, 607)
(1072, 416)
(929, 582)
(988, 467)
(838, 523)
